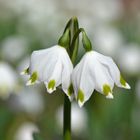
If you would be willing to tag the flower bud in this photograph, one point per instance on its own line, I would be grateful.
(86, 42)
(65, 39)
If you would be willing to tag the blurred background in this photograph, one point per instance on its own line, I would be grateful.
(29, 113)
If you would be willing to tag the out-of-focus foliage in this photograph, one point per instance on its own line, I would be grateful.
(29, 112)
(36, 136)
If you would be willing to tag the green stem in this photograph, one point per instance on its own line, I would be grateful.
(67, 119)
(67, 103)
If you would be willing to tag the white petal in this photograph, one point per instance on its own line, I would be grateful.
(39, 56)
(55, 70)
(49, 90)
(48, 67)
(66, 75)
(57, 73)
(100, 75)
(82, 80)
(109, 96)
(76, 78)
(127, 86)
(42, 61)
(112, 68)
(29, 83)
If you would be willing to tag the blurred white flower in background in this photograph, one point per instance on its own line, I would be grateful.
(34, 16)
(29, 7)
(37, 14)
(29, 100)
(92, 12)
(14, 47)
(129, 59)
(106, 10)
(101, 10)
(78, 119)
(107, 40)
(25, 131)
(8, 80)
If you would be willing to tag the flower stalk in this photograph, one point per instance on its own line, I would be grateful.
(67, 119)
(72, 50)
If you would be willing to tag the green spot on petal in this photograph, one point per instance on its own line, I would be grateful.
(80, 95)
(33, 77)
(70, 90)
(122, 81)
(26, 71)
(106, 89)
(51, 84)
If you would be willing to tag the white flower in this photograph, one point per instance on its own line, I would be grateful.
(18, 44)
(25, 131)
(8, 80)
(129, 59)
(28, 100)
(95, 71)
(53, 67)
(105, 11)
(108, 40)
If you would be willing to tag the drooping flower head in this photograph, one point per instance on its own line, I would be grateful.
(51, 66)
(96, 71)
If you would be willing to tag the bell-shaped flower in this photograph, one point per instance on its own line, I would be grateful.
(51, 66)
(96, 71)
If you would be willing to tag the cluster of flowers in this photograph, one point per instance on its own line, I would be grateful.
(54, 67)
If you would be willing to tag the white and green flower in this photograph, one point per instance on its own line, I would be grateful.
(96, 71)
(51, 66)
